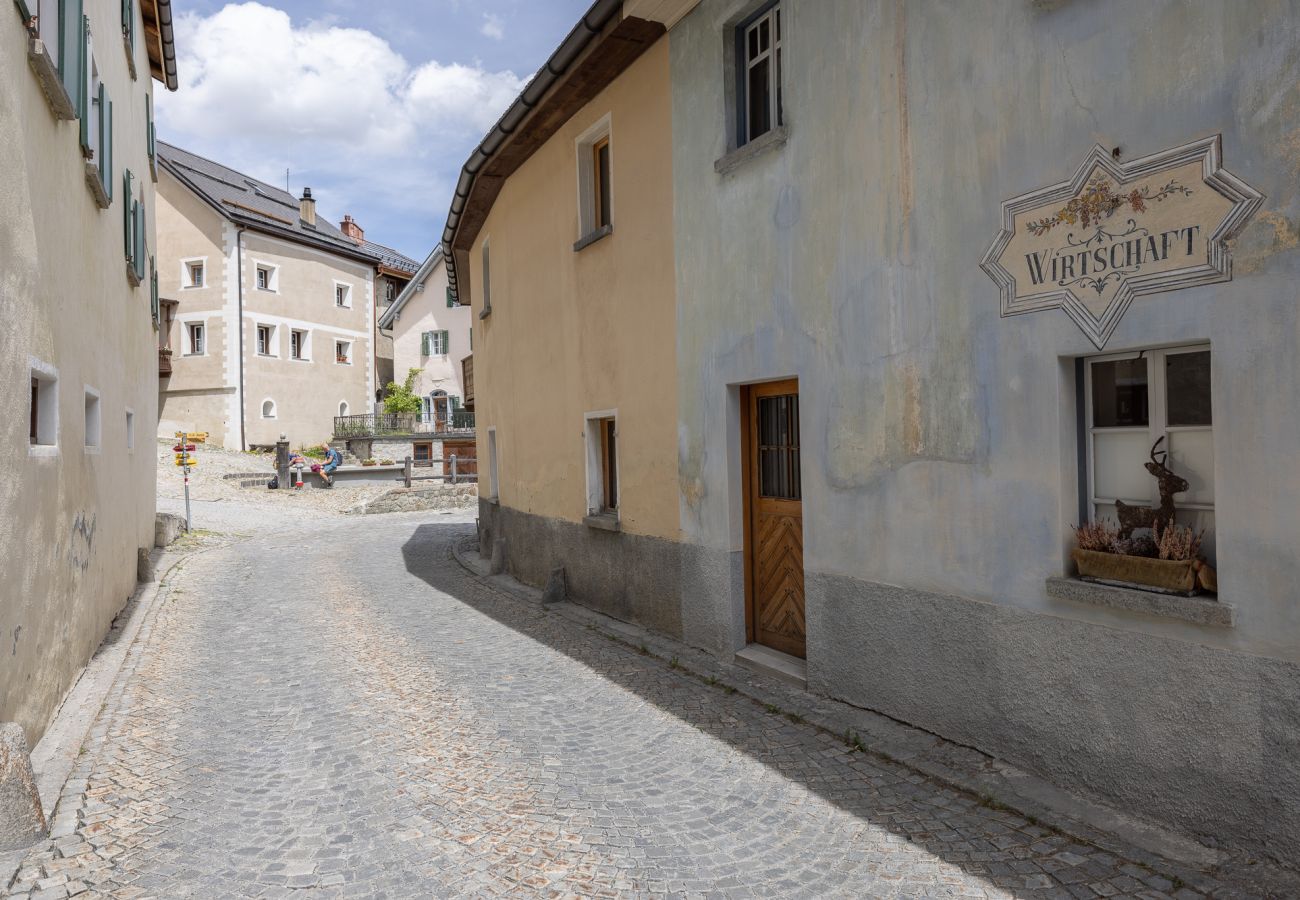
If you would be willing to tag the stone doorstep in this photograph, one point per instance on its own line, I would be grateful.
(964, 768)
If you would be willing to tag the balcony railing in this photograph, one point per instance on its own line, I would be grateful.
(381, 424)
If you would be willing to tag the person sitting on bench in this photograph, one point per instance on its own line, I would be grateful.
(333, 459)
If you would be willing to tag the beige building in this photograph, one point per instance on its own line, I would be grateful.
(563, 248)
(78, 342)
(272, 327)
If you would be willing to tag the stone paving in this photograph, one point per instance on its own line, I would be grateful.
(343, 711)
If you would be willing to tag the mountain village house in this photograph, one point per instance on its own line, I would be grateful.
(77, 285)
(270, 309)
(849, 313)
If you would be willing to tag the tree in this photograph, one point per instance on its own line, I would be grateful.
(402, 399)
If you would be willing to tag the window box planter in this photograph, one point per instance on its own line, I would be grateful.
(1184, 577)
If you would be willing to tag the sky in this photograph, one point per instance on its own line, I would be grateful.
(373, 104)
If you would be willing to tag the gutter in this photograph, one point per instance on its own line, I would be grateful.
(243, 399)
(588, 27)
(167, 41)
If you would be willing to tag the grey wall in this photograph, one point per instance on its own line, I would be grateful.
(939, 439)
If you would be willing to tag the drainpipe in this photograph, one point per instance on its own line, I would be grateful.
(243, 400)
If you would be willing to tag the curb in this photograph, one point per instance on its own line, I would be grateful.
(996, 783)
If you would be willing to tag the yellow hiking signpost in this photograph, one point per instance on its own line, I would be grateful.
(185, 445)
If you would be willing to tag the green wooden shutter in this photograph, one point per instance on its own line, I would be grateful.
(446, 343)
(455, 402)
(150, 133)
(72, 51)
(141, 245)
(153, 291)
(128, 24)
(22, 8)
(424, 343)
(105, 141)
(82, 98)
(128, 231)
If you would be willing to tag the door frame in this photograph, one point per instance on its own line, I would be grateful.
(748, 471)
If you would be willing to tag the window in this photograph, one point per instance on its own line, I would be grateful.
(197, 339)
(342, 294)
(602, 463)
(778, 447)
(343, 352)
(266, 340)
(487, 285)
(343, 408)
(298, 344)
(194, 272)
(267, 277)
(268, 409)
(390, 291)
(759, 101)
(97, 132)
(600, 182)
(1131, 403)
(92, 431)
(422, 451)
(130, 430)
(595, 186)
(128, 30)
(435, 343)
(43, 433)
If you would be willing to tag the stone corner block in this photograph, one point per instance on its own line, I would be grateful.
(555, 591)
(167, 528)
(22, 823)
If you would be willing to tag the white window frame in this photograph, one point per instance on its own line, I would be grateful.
(305, 348)
(93, 433)
(187, 279)
(274, 408)
(346, 302)
(584, 146)
(1156, 427)
(594, 441)
(272, 276)
(189, 325)
(47, 408)
(776, 30)
(93, 111)
(346, 346)
(272, 344)
(344, 409)
(130, 430)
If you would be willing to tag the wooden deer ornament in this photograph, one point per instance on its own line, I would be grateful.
(1131, 517)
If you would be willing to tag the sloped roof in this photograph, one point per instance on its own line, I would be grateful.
(412, 287)
(390, 258)
(256, 204)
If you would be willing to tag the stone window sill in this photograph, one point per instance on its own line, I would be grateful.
(601, 232)
(485, 312)
(130, 57)
(1198, 610)
(755, 148)
(603, 522)
(47, 72)
(102, 200)
(492, 501)
(131, 276)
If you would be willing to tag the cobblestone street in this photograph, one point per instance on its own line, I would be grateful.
(343, 710)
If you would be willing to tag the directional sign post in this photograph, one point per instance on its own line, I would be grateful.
(184, 447)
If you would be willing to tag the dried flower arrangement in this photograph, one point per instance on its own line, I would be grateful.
(1178, 542)
(1096, 536)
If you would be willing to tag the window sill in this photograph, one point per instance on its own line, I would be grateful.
(130, 57)
(492, 501)
(131, 276)
(485, 312)
(47, 73)
(102, 200)
(601, 232)
(1197, 610)
(193, 287)
(43, 451)
(755, 148)
(603, 522)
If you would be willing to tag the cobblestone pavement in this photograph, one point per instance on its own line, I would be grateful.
(343, 711)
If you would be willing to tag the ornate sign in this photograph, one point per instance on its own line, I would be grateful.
(1116, 231)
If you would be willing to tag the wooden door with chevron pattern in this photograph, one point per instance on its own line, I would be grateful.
(774, 536)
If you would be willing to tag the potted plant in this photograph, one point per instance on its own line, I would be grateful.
(1168, 561)
(370, 462)
(386, 462)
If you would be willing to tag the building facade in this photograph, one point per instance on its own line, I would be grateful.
(78, 343)
(564, 251)
(950, 282)
(273, 325)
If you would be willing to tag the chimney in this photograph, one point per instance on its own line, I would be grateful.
(352, 229)
(307, 208)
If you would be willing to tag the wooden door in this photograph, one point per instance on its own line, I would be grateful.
(774, 536)
(466, 459)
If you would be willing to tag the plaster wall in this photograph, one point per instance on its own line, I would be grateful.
(939, 440)
(428, 311)
(578, 331)
(71, 520)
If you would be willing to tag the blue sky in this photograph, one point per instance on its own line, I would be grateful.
(374, 104)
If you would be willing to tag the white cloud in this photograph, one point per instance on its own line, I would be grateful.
(260, 92)
(493, 26)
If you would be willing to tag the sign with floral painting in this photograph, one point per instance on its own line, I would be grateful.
(1116, 231)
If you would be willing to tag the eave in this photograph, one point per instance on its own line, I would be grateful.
(160, 41)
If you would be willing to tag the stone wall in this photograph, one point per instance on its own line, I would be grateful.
(418, 498)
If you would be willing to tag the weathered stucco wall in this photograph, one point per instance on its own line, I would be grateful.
(577, 332)
(939, 445)
(71, 521)
(428, 311)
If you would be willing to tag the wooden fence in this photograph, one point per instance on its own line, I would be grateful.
(453, 469)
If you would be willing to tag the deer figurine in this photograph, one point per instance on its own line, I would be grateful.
(1131, 517)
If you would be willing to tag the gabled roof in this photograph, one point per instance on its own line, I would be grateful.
(414, 286)
(390, 258)
(255, 204)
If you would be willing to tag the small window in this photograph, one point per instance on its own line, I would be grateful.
(130, 430)
(760, 104)
(390, 291)
(298, 344)
(487, 284)
(266, 340)
(93, 425)
(600, 182)
(595, 184)
(343, 352)
(609, 465)
(43, 425)
(422, 451)
(602, 463)
(268, 409)
(343, 408)
(267, 278)
(435, 343)
(778, 447)
(342, 295)
(194, 273)
(197, 339)
(1135, 402)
